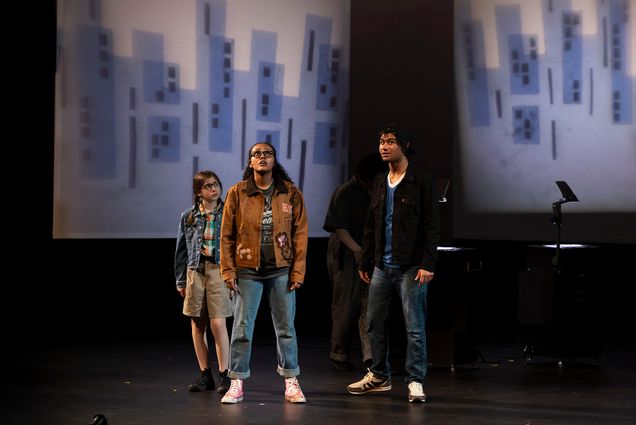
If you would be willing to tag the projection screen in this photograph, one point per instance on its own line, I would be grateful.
(148, 92)
(545, 93)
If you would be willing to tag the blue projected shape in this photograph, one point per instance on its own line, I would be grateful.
(317, 32)
(523, 64)
(221, 117)
(268, 103)
(525, 123)
(96, 130)
(147, 45)
(160, 82)
(572, 57)
(325, 143)
(477, 77)
(268, 97)
(163, 138)
(622, 101)
(328, 77)
(217, 16)
(524, 71)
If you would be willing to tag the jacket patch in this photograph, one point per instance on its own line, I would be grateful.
(282, 243)
(287, 208)
(244, 253)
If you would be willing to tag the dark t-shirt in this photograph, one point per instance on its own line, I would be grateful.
(268, 258)
(348, 209)
(268, 267)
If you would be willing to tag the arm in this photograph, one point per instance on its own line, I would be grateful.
(228, 237)
(430, 208)
(300, 230)
(338, 218)
(345, 238)
(181, 256)
(365, 267)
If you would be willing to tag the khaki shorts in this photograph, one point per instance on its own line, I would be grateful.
(206, 294)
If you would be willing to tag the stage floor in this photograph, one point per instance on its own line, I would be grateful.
(145, 383)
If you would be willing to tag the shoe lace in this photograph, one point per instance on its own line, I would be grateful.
(292, 386)
(369, 377)
(416, 388)
(235, 387)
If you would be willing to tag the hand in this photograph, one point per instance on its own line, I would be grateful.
(295, 285)
(181, 292)
(358, 255)
(364, 276)
(423, 276)
(232, 286)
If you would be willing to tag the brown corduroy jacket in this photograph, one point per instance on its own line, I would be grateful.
(241, 229)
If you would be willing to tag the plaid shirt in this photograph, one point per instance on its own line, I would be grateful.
(209, 243)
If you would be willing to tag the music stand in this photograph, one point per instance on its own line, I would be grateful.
(567, 196)
(442, 189)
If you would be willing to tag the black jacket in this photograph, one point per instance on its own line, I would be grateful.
(415, 223)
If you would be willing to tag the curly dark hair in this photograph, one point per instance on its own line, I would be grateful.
(402, 135)
(279, 172)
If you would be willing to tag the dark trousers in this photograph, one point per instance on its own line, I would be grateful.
(348, 302)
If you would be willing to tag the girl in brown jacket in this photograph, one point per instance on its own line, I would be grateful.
(263, 248)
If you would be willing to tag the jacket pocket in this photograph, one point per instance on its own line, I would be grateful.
(410, 214)
(411, 203)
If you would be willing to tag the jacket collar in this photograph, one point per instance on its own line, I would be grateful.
(219, 209)
(252, 189)
(410, 172)
(409, 176)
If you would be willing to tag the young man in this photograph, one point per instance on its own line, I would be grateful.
(399, 252)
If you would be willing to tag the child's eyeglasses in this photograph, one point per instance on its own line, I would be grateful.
(210, 186)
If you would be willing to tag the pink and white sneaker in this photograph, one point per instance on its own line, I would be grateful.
(235, 393)
(293, 393)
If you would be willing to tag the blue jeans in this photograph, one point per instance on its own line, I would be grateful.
(413, 299)
(282, 304)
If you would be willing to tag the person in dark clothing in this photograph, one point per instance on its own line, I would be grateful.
(399, 253)
(345, 220)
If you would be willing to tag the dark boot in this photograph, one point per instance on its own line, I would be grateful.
(204, 383)
(224, 382)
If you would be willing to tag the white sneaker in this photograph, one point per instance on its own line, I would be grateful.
(293, 393)
(235, 393)
(416, 393)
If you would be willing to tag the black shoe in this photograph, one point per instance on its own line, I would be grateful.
(224, 382)
(340, 365)
(204, 383)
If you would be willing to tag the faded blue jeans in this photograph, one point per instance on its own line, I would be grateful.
(413, 299)
(282, 304)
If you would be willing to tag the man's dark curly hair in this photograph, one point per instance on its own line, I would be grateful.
(402, 135)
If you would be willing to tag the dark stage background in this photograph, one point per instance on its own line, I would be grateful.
(57, 291)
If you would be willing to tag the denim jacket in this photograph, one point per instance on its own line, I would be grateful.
(415, 223)
(189, 238)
